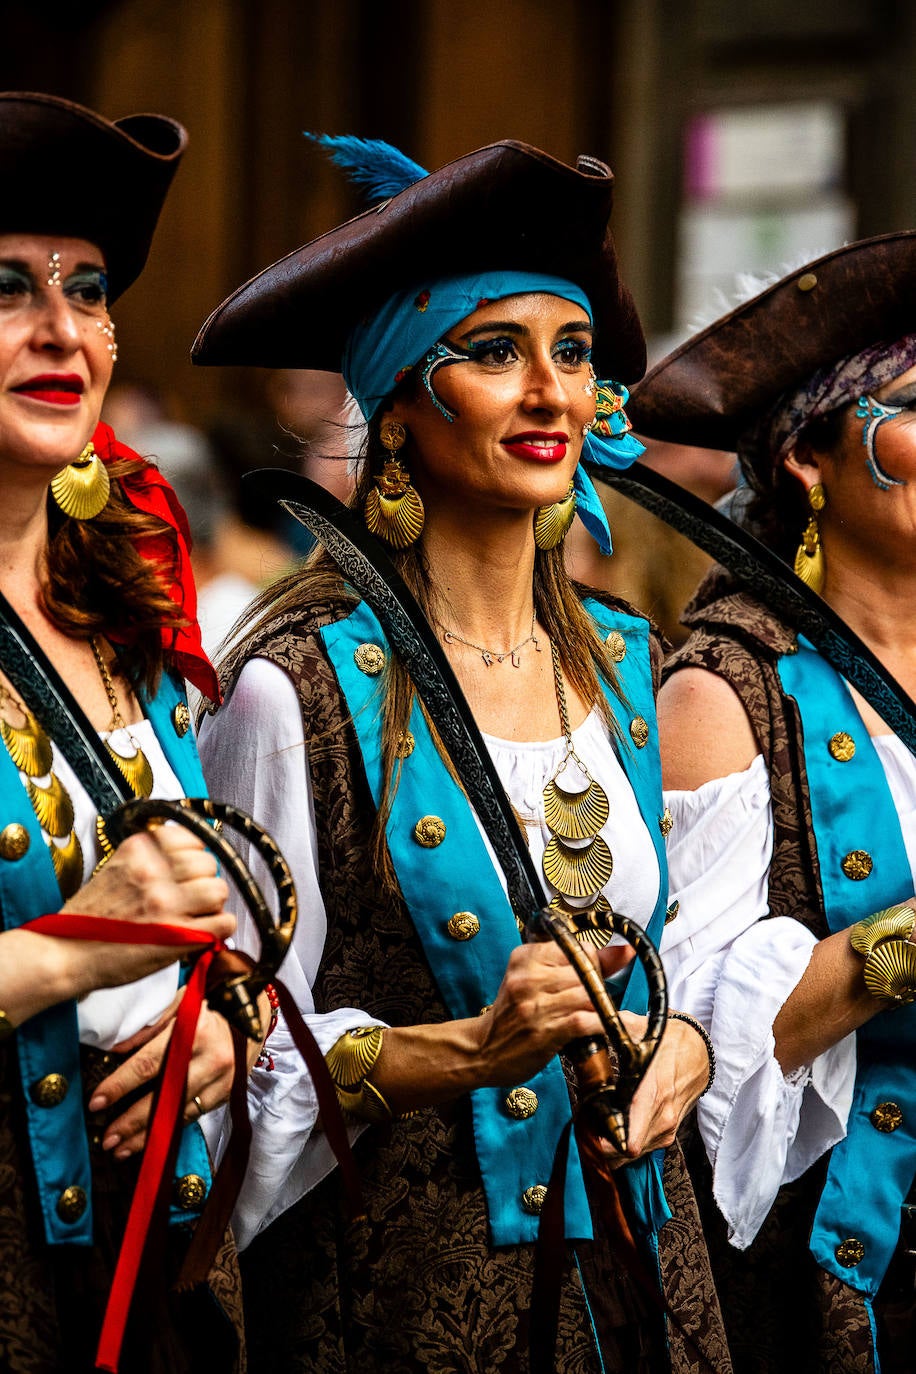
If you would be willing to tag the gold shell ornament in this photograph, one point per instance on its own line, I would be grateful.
(552, 522)
(587, 923)
(894, 923)
(52, 806)
(135, 769)
(28, 745)
(82, 488)
(577, 872)
(890, 971)
(68, 864)
(575, 815)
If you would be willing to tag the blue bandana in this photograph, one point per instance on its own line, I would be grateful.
(383, 349)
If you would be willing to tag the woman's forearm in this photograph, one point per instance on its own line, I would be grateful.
(36, 972)
(828, 1004)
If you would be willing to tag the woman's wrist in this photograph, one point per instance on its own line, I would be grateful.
(41, 970)
(704, 1035)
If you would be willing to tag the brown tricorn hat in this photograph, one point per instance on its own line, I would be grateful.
(66, 170)
(714, 387)
(505, 207)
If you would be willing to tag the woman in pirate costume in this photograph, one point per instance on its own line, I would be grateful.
(470, 311)
(793, 801)
(96, 587)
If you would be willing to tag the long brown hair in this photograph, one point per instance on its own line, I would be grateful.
(584, 656)
(97, 582)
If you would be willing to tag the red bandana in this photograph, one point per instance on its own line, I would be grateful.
(148, 491)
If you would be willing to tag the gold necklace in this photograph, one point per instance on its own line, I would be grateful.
(135, 767)
(31, 752)
(576, 870)
(491, 656)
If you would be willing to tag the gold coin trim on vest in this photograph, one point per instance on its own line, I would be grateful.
(577, 872)
(429, 831)
(842, 746)
(190, 1192)
(533, 1198)
(464, 925)
(886, 1117)
(807, 282)
(181, 719)
(616, 646)
(14, 841)
(521, 1103)
(369, 659)
(850, 1252)
(72, 1204)
(857, 865)
(405, 745)
(49, 1091)
(639, 732)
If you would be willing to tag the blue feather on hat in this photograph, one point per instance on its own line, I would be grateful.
(378, 167)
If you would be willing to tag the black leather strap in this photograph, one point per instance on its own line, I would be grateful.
(56, 709)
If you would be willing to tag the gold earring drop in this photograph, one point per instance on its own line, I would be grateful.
(394, 510)
(551, 523)
(81, 489)
(809, 564)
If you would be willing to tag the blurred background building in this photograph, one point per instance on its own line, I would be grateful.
(746, 135)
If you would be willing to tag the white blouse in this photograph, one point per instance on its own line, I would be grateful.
(255, 755)
(734, 971)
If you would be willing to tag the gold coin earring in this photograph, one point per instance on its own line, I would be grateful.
(394, 510)
(551, 523)
(81, 489)
(810, 564)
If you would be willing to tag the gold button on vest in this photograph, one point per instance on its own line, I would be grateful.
(429, 831)
(522, 1103)
(190, 1192)
(405, 745)
(370, 659)
(857, 865)
(850, 1252)
(71, 1204)
(464, 925)
(666, 824)
(639, 732)
(886, 1117)
(842, 746)
(49, 1091)
(14, 841)
(181, 719)
(533, 1197)
(617, 646)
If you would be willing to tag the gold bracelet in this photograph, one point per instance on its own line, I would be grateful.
(890, 958)
(351, 1059)
(6, 1026)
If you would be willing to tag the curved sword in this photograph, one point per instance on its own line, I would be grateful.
(771, 581)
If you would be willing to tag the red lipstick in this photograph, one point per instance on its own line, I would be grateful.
(538, 446)
(54, 388)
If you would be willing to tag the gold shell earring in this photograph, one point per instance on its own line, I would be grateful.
(394, 510)
(551, 523)
(81, 489)
(810, 564)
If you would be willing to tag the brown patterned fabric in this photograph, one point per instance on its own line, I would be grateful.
(782, 1311)
(52, 1298)
(418, 1287)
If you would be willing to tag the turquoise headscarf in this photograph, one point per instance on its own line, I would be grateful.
(383, 349)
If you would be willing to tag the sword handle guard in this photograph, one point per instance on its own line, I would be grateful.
(235, 993)
(609, 1068)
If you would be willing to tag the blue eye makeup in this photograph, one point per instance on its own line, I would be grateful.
(14, 282)
(88, 286)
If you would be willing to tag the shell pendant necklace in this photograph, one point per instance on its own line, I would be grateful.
(577, 861)
(135, 767)
(31, 752)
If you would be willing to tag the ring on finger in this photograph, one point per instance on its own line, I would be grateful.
(196, 1102)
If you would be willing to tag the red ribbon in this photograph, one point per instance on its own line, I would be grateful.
(149, 1203)
(149, 492)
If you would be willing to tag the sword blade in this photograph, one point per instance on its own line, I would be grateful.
(366, 566)
(771, 581)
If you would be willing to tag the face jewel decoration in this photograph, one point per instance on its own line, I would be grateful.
(441, 355)
(54, 270)
(874, 414)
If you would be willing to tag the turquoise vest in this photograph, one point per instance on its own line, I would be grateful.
(49, 1043)
(457, 875)
(871, 1170)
